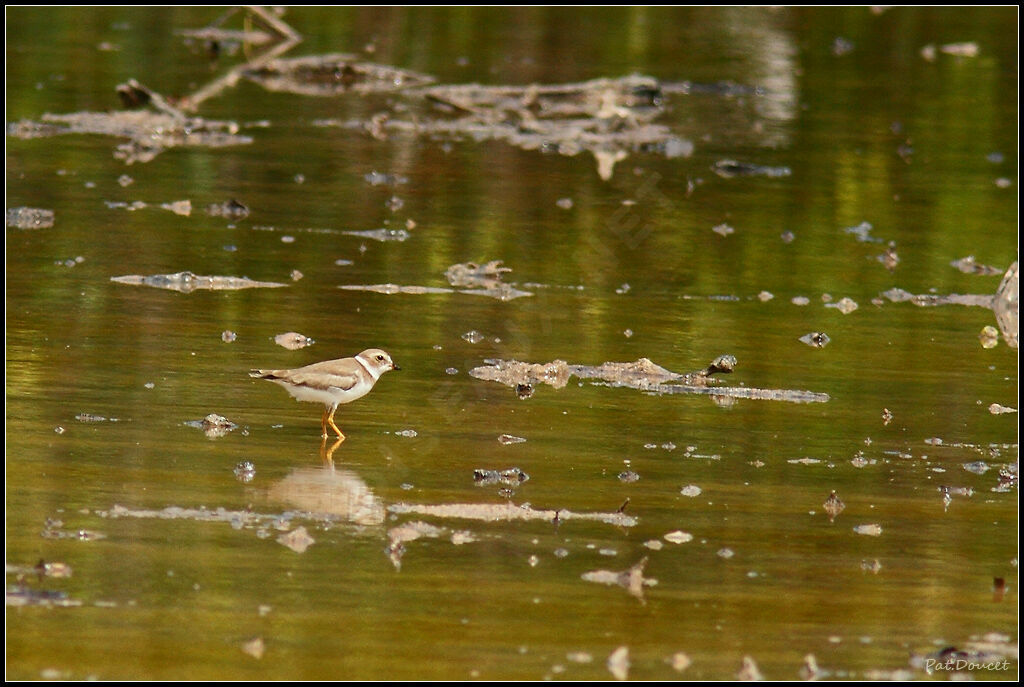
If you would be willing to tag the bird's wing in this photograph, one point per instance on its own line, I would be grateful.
(342, 374)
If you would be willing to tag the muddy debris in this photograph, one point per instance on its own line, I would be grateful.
(29, 218)
(679, 661)
(632, 579)
(229, 209)
(473, 275)
(293, 341)
(332, 75)
(968, 265)
(609, 118)
(298, 540)
(618, 663)
(381, 179)
(731, 168)
(187, 282)
(213, 425)
(149, 132)
(20, 595)
(862, 232)
(1006, 305)
(182, 208)
(816, 339)
(810, 670)
(508, 511)
(406, 532)
(383, 234)
(255, 647)
(749, 672)
(245, 471)
(833, 506)
(678, 537)
(641, 374)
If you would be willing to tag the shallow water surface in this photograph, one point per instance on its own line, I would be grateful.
(758, 167)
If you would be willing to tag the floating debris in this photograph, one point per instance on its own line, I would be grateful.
(213, 425)
(229, 209)
(333, 74)
(19, 595)
(502, 293)
(1006, 305)
(966, 49)
(997, 409)
(471, 274)
(897, 295)
(731, 168)
(512, 477)
(691, 490)
(255, 647)
(505, 512)
(723, 229)
(978, 467)
(187, 282)
(506, 439)
(29, 218)
(843, 305)
(749, 672)
(810, 670)
(628, 477)
(890, 259)
(989, 337)
(89, 417)
(293, 341)
(969, 265)
(409, 433)
(245, 471)
(871, 530)
(298, 540)
(641, 374)
(816, 339)
(833, 505)
(618, 663)
(473, 336)
(524, 391)
(149, 133)
(678, 537)
(863, 233)
(390, 289)
(227, 336)
(178, 207)
(871, 566)
(679, 661)
(383, 234)
(380, 179)
(632, 580)
(607, 117)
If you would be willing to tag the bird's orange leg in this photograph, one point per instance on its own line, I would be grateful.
(323, 424)
(330, 421)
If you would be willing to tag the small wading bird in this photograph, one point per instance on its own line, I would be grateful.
(332, 382)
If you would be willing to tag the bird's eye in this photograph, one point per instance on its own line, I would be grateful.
(380, 358)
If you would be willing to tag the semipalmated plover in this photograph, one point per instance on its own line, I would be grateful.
(332, 382)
